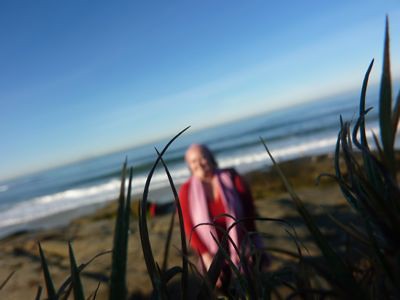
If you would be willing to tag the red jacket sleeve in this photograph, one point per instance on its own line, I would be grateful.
(195, 241)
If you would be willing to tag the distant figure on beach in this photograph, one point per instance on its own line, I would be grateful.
(209, 193)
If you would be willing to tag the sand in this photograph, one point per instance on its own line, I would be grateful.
(92, 234)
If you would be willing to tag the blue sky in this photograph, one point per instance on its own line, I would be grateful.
(82, 78)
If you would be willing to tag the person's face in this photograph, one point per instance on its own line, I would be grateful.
(199, 163)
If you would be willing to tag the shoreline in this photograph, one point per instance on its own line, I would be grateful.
(54, 221)
(161, 195)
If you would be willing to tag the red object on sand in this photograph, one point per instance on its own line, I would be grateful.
(152, 210)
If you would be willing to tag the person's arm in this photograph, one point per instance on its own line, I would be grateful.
(195, 241)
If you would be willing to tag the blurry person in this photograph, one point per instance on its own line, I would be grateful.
(209, 193)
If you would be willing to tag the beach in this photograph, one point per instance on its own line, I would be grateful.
(92, 234)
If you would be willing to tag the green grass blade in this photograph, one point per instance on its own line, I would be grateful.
(213, 272)
(168, 242)
(378, 146)
(363, 146)
(210, 280)
(143, 229)
(345, 189)
(38, 293)
(396, 115)
(385, 107)
(371, 164)
(170, 273)
(118, 267)
(127, 214)
(396, 118)
(242, 280)
(170, 227)
(6, 280)
(366, 198)
(185, 272)
(233, 267)
(341, 273)
(51, 291)
(370, 189)
(351, 231)
(93, 296)
(362, 105)
(67, 282)
(76, 279)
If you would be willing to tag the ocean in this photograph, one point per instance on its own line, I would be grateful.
(62, 193)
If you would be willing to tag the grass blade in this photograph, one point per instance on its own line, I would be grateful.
(185, 272)
(345, 189)
(170, 273)
(212, 276)
(168, 242)
(6, 280)
(213, 272)
(370, 162)
(363, 146)
(118, 267)
(94, 294)
(362, 105)
(68, 281)
(396, 115)
(234, 268)
(152, 269)
(351, 231)
(51, 291)
(76, 279)
(385, 107)
(38, 293)
(127, 214)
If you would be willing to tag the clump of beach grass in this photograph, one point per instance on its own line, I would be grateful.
(371, 188)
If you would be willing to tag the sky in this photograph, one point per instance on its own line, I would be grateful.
(88, 77)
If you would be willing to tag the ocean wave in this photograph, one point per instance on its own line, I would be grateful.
(243, 159)
(40, 207)
(48, 205)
